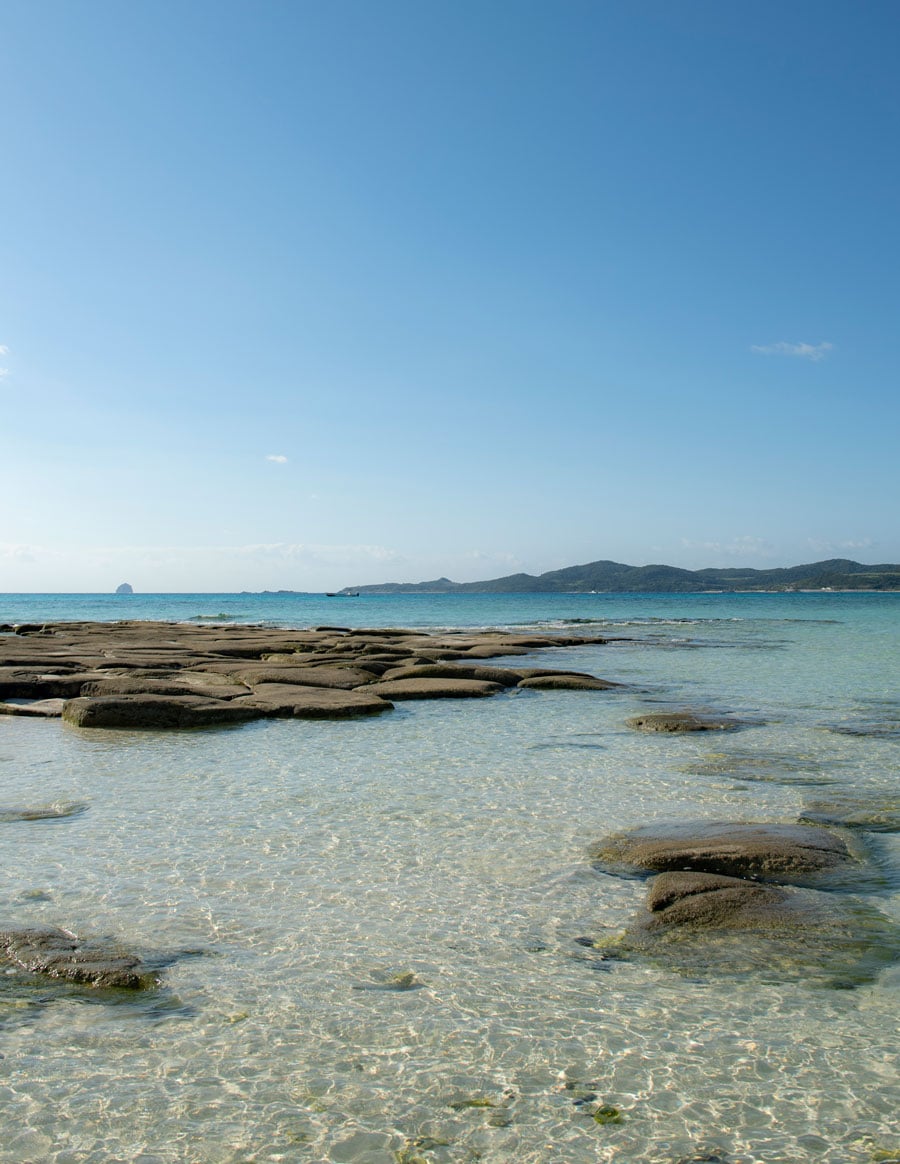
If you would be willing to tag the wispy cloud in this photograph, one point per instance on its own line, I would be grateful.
(740, 547)
(828, 547)
(278, 458)
(4, 350)
(814, 352)
(4, 372)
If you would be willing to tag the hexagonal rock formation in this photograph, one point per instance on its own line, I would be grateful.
(793, 853)
(54, 953)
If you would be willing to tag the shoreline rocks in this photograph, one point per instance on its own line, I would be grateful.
(752, 899)
(134, 674)
(797, 854)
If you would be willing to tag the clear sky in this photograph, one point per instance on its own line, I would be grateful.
(307, 293)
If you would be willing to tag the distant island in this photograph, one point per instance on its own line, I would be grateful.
(616, 578)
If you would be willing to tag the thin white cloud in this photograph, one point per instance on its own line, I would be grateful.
(4, 372)
(827, 547)
(4, 350)
(814, 352)
(278, 458)
(740, 547)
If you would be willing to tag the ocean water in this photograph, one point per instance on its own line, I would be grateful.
(378, 921)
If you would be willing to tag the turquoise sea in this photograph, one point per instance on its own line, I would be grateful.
(311, 868)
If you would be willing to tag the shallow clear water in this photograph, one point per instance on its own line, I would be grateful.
(308, 865)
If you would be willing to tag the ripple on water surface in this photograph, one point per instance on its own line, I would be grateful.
(387, 915)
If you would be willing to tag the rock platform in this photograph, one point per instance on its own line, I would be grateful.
(156, 675)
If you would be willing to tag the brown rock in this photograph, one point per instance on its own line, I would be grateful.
(154, 711)
(568, 683)
(434, 689)
(682, 721)
(283, 699)
(41, 708)
(797, 854)
(142, 686)
(54, 953)
(506, 677)
(708, 899)
(343, 678)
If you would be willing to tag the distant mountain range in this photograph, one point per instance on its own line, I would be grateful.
(617, 578)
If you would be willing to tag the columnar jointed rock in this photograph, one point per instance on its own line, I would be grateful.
(168, 675)
(54, 953)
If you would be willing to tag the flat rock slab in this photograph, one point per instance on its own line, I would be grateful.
(792, 853)
(54, 953)
(124, 685)
(135, 674)
(342, 678)
(434, 689)
(154, 711)
(682, 721)
(283, 699)
(505, 676)
(41, 708)
(567, 683)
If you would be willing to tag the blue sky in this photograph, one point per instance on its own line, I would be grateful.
(301, 295)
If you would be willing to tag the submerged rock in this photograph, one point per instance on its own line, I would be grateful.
(699, 923)
(873, 812)
(794, 853)
(55, 953)
(58, 811)
(682, 721)
(767, 768)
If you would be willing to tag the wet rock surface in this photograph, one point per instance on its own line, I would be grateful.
(435, 689)
(721, 926)
(567, 683)
(153, 711)
(791, 853)
(765, 768)
(133, 674)
(764, 900)
(56, 954)
(872, 812)
(61, 810)
(674, 722)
